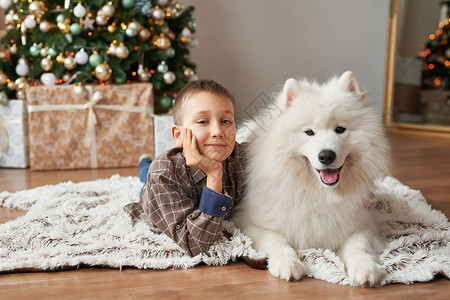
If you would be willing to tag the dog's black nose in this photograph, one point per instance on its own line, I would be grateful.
(327, 156)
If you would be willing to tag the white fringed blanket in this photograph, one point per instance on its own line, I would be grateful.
(73, 224)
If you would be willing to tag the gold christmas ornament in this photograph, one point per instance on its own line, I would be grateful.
(45, 26)
(44, 51)
(112, 28)
(9, 18)
(171, 12)
(161, 42)
(15, 18)
(37, 8)
(101, 19)
(3, 78)
(66, 77)
(64, 26)
(69, 63)
(112, 49)
(22, 84)
(13, 49)
(47, 64)
(122, 51)
(144, 34)
(178, 6)
(11, 85)
(103, 71)
(184, 39)
(60, 58)
(171, 35)
(188, 72)
(143, 74)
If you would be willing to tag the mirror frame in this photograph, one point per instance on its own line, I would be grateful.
(391, 50)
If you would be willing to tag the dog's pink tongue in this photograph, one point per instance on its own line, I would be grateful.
(329, 176)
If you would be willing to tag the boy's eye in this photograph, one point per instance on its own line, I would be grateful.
(227, 121)
(202, 122)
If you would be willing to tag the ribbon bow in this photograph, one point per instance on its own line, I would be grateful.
(94, 98)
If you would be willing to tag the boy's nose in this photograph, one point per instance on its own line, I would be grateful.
(216, 130)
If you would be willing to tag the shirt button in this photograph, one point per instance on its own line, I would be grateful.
(223, 208)
(177, 227)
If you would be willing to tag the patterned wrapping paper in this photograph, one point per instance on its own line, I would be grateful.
(163, 133)
(108, 126)
(14, 151)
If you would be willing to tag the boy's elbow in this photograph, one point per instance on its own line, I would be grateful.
(195, 249)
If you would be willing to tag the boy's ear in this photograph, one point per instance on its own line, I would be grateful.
(177, 136)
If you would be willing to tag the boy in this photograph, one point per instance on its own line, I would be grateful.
(192, 188)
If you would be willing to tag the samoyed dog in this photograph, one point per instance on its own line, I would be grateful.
(312, 165)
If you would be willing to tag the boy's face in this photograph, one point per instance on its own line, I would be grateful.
(210, 117)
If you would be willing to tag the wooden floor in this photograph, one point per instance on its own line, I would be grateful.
(420, 162)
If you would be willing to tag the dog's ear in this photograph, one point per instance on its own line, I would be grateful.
(348, 83)
(291, 90)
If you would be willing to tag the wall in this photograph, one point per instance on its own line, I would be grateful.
(417, 19)
(253, 46)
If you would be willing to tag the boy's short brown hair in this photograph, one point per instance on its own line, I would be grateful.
(193, 87)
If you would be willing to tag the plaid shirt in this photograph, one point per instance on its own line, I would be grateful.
(175, 200)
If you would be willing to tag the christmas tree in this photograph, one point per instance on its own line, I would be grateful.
(435, 54)
(96, 42)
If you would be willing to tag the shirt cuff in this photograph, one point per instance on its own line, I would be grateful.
(213, 203)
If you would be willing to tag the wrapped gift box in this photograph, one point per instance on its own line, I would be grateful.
(163, 133)
(97, 126)
(13, 135)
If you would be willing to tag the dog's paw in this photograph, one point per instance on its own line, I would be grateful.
(366, 274)
(286, 266)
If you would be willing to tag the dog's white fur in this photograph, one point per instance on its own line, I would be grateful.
(287, 206)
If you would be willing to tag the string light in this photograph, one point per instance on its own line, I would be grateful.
(437, 81)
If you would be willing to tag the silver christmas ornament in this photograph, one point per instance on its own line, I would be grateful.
(109, 10)
(169, 77)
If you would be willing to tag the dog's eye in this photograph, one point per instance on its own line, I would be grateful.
(310, 132)
(340, 129)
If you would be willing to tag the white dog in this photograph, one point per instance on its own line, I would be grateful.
(311, 168)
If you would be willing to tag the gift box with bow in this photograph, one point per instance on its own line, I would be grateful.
(13, 135)
(163, 133)
(96, 126)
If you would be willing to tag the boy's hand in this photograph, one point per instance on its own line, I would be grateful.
(212, 168)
